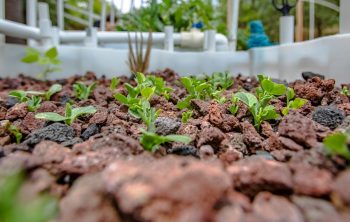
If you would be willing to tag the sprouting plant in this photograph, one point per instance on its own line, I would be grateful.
(49, 60)
(345, 91)
(13, 208)
(22, 96)
(12, 129)
(151, 141)
(297, 103)
(147, 114)
(71, 114)
(185, 116)
(220, 80)
(260, 110)
(55, 88)
(160, 86)
(114, 83)
(337, 145)
(268, 90)
(81, 91)
(196, 89)
(34, 103)
(137, 61)
(234, 107)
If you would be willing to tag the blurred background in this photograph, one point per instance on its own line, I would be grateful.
(143, 15)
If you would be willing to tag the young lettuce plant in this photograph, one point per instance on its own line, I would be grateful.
(22, 96)
(81, 91)
(71, 114)
(160, 86)
(259, 109)
(221, 81)
(345, 91)
(13, 130)
(234, 107)
(49, 60)
(269, 90)
(196, 89)
(34, 103)
(297, 103)
(151, 141)
(185, 116)
(114, 83)
(337, 145)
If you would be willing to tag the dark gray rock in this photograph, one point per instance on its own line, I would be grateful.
(11, 101)
(90, 131)
(72, 142)
(56, 132)
(166, 126)
(184, 151)
(64, 99)
(329, 116)
(309, 75)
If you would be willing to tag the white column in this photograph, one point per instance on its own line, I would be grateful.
(91, 12)
(45, 24)
(211, 36)
(60, 14)
(112, 12)
(232, 22)
(169, 38)
(91, 37)
(312, 20)
(103, 16)
(344, 16)
(286, 29)
(32, 17)
(2, 16)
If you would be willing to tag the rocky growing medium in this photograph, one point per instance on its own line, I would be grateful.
(165, 148)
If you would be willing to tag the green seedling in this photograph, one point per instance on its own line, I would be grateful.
(337, 145)
(23, 96)
(151, 141)
(81, 91)
(147, 114)
(12, 129)
(34, 103)
(220, 81)
(49, 60)
(114, 83)
(160, 86)
(196, 89)
(185, 116)
(71, 114)
(259, 110)
(345, 91)
(297, 103)
(268, 90)
(234, 107)
(14, 208)
(55, 88)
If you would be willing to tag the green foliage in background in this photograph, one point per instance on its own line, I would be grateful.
(181, 14)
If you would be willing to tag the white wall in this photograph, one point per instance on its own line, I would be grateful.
(329, 56)
(110, 62)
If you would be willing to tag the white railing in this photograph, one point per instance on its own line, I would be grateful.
(46, 34)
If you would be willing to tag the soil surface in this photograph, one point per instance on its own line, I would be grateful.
(229, 172)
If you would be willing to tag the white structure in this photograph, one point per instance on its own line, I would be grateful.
(326, 55)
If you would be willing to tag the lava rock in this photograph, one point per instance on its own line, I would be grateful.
(72, 142)
(11, 101)
(329, 116)
(309, 75)
(56, 132)
(64, 99)
(90, 131)
(166, 126)
(184, 151)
